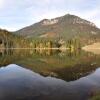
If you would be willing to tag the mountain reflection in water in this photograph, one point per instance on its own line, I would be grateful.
(17, 83)
(65, 65)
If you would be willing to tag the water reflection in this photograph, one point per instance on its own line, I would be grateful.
(17, 83)
(65, 65)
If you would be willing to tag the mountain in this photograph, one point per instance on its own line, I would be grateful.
(65, 27)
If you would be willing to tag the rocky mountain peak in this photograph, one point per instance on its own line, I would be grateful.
(49, 21)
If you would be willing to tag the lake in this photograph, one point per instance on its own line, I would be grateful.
(29, 74)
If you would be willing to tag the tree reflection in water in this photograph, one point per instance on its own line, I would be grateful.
(67, 65)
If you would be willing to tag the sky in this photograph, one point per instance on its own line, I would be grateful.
(16, 14)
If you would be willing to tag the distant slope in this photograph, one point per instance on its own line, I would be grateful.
(10, 40)
(6, 39)
(65, 27)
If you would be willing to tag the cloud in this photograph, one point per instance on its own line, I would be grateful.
(1, 3)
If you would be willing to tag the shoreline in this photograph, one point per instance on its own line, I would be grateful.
(94, 48)
(39, 48)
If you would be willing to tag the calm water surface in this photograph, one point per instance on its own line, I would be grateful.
(48, 75)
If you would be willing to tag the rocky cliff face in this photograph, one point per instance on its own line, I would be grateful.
(49, 21)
